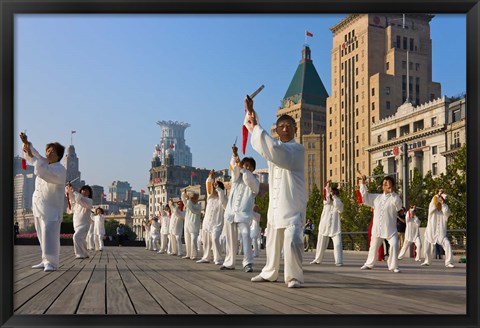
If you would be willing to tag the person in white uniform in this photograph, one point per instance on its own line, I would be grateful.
(99, 228)
(287, 196)
(255, 230)
(330, 226)
(193, 210)
(239, 211)
(436, 230)
(165, 215)
(172, 241)
(155, 233)
(178, 214)
(213, 220)
(385, 209)
(48, 199)
(91, 235)
(82, 209)
(412, 234)
(148, 236)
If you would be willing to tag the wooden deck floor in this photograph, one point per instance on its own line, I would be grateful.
(132, 280)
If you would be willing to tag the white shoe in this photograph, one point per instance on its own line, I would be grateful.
(203, 261)
(425, 264)
(185, 257)
(38, 266)
(396, 270)
(314, 262)
(338, 264)
(218, 263)
(400, 258)
(293, 283)
(258, 279)
(49, 268)
(365, 267)
(450, 265)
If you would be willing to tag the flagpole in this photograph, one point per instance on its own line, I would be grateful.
(305, 35)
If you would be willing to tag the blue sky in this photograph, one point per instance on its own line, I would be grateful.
(112, 77)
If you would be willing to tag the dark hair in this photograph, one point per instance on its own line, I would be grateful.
(59, 149)
(389, 178)
(101, 210)
(335, 191)
(87, 187)
(286, 117)
(248, 160)
(220, 185)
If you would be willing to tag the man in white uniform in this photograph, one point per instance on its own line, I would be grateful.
(330, 226)
(412, 234)
(192, 223)
(385, 208)
(48, 199)
(178, 216)
(287, 196)
(436, 231)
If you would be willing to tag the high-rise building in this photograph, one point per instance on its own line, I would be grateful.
(305, 101)
(172, 137)
(379, 61)
(119, 192)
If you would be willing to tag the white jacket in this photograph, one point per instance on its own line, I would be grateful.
(177, 220)
(412, 227)
(286, 178)
(155, 228)
(192, 216)
(49, 195)
(82, 209)
(385, 208)
(436, 229)
(164, 222)
(99, 224)
(330, 224)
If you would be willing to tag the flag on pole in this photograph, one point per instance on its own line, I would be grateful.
(142, 191)
(194, 174)
(309, 34)
(73, 131)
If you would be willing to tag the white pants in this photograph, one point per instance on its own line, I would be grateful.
(48, 233)
(430, 248)
(99, 242)
(163, 243)
(207, 245)
(172, 244)
(233, 231)
(178, 239)
(256, 246)
(290, 239)
(148, 242)
(191, 240)
(80, 237)
(375, 243)
(322, 244)
(406, 245)
(91, 237)
(155, 240)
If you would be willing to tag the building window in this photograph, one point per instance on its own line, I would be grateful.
(456, 115)
(387, 66)
(405, 41)
(356, 98)
(357, 156)
(417, 66)
(330, 110)
(356, 85)
(456, 140)
(434, 121)
(330, 122)
(356, 71)
(388, 105)
(373, 106)
(404, 130)
(379, 138)
(418, 125)
(398, 42)
(404, 64)
(356, 57)
(417, 85)
(411, 44)
(373, 92)
(434, 150)
(387, 90)
(434, 169)
(330, 147)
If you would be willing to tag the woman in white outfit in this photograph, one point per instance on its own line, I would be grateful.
(90, 235)
(192, 223)
(213, 221)
(436, 230)
(99, 228)
(412, 234)
(148, 236)
(330, 226)
(155, 233)
(165, 215)
(178, 218)
(81, 207)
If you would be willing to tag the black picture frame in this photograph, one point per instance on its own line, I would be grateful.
(8, 9)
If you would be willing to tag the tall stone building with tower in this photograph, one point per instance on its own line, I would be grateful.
(172, 136)
(379, 62)
(305, 101)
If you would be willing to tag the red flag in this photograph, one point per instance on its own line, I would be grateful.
(194, 174)
(172, 146)
(115, 200)
(24, 164)
(359, 197)
(309, 34)
(244, 138)
(142, 191)
(157, 149)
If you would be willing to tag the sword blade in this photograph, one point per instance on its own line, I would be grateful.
(256, 92)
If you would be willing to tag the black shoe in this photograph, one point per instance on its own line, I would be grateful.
(248, 268)
(226, 268)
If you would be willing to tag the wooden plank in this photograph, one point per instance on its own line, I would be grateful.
(69, 299)
(94, 300)
(118, 301)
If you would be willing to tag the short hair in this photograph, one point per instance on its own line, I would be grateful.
(389, 178)
(249, 160)
(221, 185)
(286, 117)
(87, 187)
(335, 191)
(99, 209)
(59, 149)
